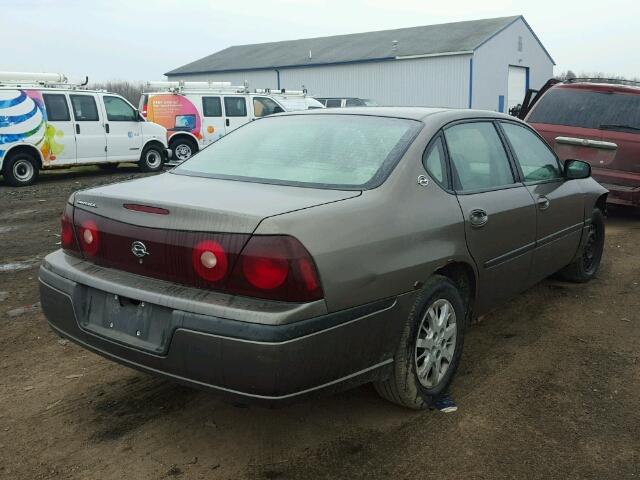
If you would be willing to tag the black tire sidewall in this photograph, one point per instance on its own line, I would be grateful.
(8, 170)
(597, 219)
(144, 166)
(437, 288)
(183, 141)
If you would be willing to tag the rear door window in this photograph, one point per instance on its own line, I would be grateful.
(434, 162)
(587, 109)
(354, 102)
(84, 108)
(211, 107)
(57, 108)
(235, 106)
(334, 102)
(478, 157)
(536, 160)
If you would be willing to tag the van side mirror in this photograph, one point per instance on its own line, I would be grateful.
(576, 169)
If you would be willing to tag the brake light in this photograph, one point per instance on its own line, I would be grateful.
(67, 236)
(209, 260)
(275, 267)
(89, 237)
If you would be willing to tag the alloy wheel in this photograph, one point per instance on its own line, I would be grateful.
(436, 343)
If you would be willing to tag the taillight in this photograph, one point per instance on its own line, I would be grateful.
(67, 237)
(89, 237)
(209, 260)
(276, 267)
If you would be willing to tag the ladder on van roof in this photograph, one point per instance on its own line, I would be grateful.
(181, 86)
(41, 80)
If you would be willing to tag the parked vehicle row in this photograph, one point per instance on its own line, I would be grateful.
(196, 114)
(354, 247)
(48, 124)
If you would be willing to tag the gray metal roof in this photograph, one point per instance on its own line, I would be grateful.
(356, 47)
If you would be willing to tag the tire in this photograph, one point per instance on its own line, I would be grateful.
(21, 169)
(183, 149)
(151, 159)
(108, 167)
(404, 386)
(587, 263)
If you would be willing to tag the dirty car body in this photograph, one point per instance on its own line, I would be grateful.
(275, 279)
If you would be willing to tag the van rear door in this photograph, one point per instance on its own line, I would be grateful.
(60, 144)
(213, 126)
(91, 141)
(235, 111)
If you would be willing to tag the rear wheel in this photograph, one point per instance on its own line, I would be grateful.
(430, 347)
(151, 159)
(21, 169)
(183, 149)
(587, 263)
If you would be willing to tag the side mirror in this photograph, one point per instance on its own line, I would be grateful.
(576, 169)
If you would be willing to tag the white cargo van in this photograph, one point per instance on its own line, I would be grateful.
(46, 122)
(196, 114)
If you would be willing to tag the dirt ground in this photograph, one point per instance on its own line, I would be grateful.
(549, 387)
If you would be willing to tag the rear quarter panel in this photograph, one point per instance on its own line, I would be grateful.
(383, 242)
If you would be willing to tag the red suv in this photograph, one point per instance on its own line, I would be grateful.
(595, 120)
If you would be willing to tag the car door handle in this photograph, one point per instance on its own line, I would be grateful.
(543, 203)
(77, 128)
(226, 122)
(106, 127)
(478, 218)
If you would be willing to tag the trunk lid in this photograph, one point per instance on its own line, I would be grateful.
(201, 204)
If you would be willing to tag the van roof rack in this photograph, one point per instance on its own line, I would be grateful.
(47, 80)
(180, 86)
(615, 81)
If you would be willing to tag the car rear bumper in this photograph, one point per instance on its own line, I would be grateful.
(624, 187)
(256, 363)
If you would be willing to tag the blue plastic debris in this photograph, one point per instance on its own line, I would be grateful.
(444, 403)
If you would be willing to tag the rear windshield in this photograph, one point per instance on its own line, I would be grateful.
(587, 109)
(325, 151)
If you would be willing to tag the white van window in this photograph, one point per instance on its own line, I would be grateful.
(84, 108)
(334, 103)
(118, 110)
(57, 108)
(235, 106)
(263, 106)
(211, 107)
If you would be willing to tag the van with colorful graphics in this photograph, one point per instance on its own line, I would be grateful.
(196, 114)
(46, 123)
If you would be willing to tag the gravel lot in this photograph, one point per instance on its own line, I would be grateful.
(549, 387)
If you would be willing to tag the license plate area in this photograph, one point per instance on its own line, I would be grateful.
(127, 320)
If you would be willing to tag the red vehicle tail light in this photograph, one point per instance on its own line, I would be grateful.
(67, 235)
(89, 237)
(209, 260)
(276, 267)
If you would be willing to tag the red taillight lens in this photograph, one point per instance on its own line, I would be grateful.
(66, 232)
(89, 237)
(264, 272)
(209, 260)
(67, 236)
(276, 267)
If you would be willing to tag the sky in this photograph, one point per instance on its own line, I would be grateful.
(140, 40)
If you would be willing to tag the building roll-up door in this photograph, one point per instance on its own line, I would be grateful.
(517, 86)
